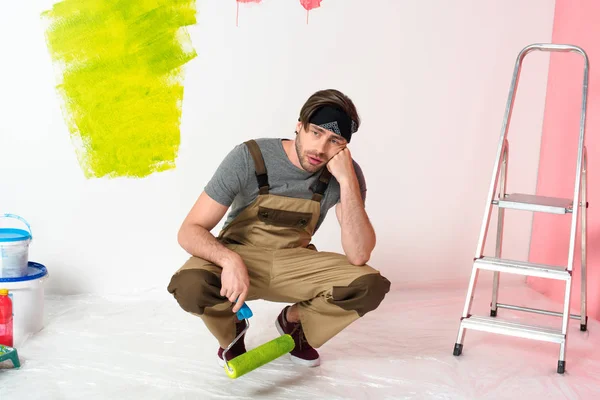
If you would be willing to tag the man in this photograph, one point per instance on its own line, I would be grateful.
(280, 191)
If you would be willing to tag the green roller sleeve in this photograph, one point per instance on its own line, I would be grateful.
(259, 356)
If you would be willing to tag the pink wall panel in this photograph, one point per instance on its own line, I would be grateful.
(574, 23)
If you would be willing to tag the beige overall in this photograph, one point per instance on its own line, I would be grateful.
(273, 236)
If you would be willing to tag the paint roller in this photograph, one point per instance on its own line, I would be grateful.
(259, 356)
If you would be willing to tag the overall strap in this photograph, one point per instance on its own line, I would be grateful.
(321, 185)
(259, 166)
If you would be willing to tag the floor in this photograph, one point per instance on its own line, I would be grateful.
(145, 347)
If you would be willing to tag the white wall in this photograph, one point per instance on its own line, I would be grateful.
(430, 79)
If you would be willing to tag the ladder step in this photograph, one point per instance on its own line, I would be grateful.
(528, 202)
(523, 268)
(495, 325)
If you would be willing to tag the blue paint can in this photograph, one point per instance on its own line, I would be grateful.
(14, 248)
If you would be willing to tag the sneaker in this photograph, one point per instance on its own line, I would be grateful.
(237, 349)
(303, 353)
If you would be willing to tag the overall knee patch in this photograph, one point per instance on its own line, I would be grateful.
(362, 295)
(196, 289)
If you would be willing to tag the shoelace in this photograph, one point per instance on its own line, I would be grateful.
(301, 338)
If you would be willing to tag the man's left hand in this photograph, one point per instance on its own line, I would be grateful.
(341, 166)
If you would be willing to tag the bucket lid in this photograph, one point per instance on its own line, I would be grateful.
(13, 235)
(34, 271)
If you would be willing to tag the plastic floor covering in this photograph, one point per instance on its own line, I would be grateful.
(145, 347)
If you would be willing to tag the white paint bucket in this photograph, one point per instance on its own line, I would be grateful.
(27, 294)
(14, 249)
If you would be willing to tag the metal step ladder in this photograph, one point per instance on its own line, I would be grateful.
(576, 208)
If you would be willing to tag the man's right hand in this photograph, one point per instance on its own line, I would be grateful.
(235, 281)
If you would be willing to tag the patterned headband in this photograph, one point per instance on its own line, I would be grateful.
(335, 120)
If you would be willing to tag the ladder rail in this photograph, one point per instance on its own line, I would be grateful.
(576, 206)
(552, 47)
(579, 168)
(497, 163)
(583, 243)
(500, 226)
(536, 310)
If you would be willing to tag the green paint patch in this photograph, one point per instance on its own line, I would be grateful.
(121, 80)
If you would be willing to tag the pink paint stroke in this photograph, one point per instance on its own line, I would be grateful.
(237, 15)
(309, 5)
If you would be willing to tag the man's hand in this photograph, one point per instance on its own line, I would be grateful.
(235, 282)
(341, 166)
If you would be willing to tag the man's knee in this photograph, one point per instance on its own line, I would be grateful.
(196, 289)
(362, 295)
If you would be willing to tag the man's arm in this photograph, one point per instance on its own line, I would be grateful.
(358, 235)
(195, 238)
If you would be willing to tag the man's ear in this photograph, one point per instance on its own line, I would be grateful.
(298, 127)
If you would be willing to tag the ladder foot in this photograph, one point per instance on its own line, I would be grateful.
(583, 327)
(561, 367)
(458, 349)
(493, 313)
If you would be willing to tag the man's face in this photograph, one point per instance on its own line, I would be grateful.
(316, 146)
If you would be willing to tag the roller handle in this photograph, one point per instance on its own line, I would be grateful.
(244, 312)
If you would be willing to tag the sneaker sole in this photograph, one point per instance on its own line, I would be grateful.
(297, 360)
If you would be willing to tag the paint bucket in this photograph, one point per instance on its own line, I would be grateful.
(27, 294)
(14, 249)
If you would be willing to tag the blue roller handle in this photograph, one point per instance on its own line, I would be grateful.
(244, 313)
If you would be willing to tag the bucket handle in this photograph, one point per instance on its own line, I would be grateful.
(20, 219)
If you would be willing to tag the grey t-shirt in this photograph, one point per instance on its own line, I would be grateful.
(234, 182)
